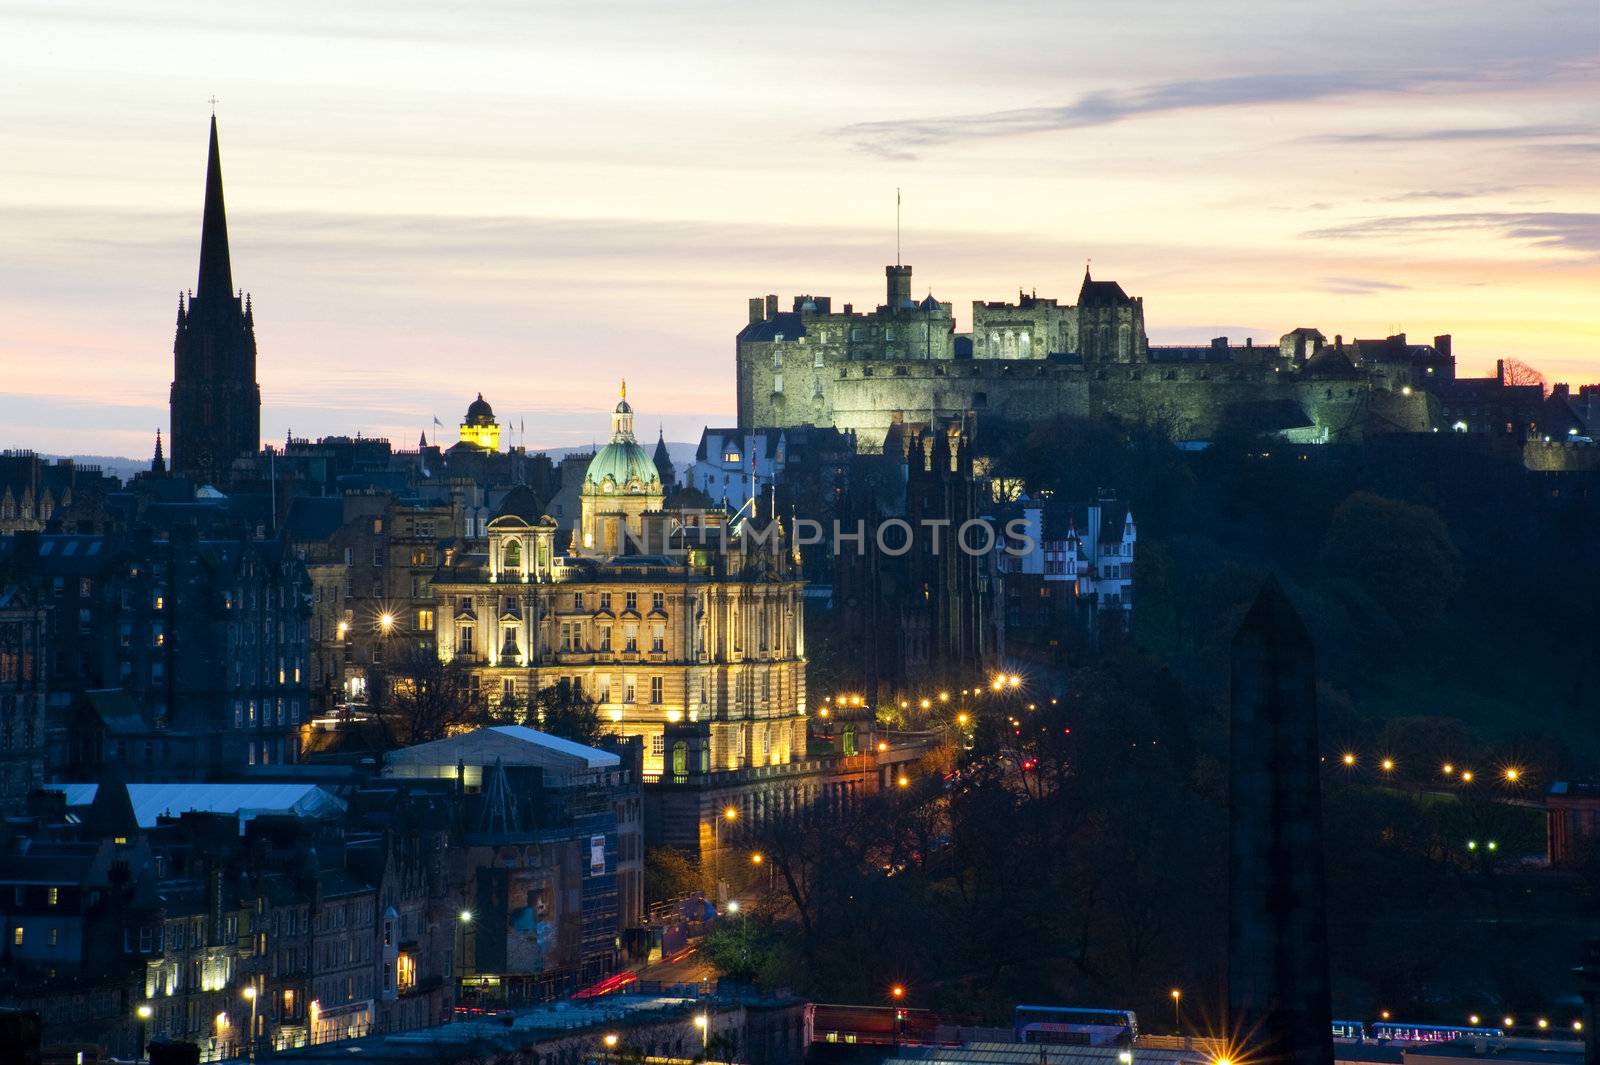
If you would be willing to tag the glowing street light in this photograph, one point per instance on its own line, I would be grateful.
(611, 1040)
(1473, 1020)
(926, 704)
(733, 905)
(757, 858)
(944, 697)
(1177, 1010)
(1125, 1057)
(1508, 1021)
(250, 993)
(465, 916)
(144, 1013)
(702, 1021)
(1349, 758)
(898, 991)
(963, 718)
(730, 813)
(1513, 774)
(1543, 1023)
(386, 621)
(1388, 765)
(903, 781)
(1448, 769)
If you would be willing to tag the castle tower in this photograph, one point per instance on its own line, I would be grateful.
(215, 401)
(1279, 1002)
(899, 285)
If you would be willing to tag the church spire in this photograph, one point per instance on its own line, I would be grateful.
(216, 271)
(158, 465)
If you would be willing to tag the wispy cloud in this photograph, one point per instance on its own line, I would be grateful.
(1477, 133)
(1565, 230)
(1451, 194)
(1358, 286)
(901, 137)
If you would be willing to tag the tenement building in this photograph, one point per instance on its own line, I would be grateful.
(1038, 358)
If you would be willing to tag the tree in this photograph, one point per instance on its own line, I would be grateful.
(564, 710)
(1515, 372)
(417, 697)
(1400, 554)
(669, 874)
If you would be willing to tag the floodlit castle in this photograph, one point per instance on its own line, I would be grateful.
(1039, 358)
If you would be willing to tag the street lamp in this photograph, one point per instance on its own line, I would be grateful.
(463, 922)
(143, 1012)
(730, 814)
(733, 905)
(250, 993)
(702, 1021)
(1177, 1011)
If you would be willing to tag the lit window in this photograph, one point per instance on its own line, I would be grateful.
(16, 936)
(52, 896)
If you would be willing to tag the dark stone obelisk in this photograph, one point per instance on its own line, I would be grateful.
(1279, 1009)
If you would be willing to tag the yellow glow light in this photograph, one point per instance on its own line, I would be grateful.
(730, 814)
(1349, 758)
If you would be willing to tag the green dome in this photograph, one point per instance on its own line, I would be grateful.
(624, 461)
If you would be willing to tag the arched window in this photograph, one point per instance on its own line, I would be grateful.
(511, 555)
(680, 758)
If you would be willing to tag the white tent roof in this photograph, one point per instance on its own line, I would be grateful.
(244, 801)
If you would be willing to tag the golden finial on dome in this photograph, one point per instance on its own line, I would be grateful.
(624, 388)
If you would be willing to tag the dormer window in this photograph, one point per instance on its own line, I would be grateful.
(732, 457)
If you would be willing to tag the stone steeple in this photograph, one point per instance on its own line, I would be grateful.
(215, 401)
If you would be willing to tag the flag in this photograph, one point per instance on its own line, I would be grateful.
(437, 422)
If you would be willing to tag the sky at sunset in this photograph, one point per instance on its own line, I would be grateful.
(429, 200)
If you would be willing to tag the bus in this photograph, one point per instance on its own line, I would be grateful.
(1077, 1027)
(1349, 1031)
(1403, 1032)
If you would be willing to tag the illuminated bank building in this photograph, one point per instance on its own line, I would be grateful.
(684, 631)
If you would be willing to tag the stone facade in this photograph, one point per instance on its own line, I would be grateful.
(1036, 359)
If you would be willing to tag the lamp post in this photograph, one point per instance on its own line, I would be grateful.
(463, 922)
(250, 993)
(610, 1040)
(730, 815)
(702, 1021)
(143, 1012)
(1177, 1011)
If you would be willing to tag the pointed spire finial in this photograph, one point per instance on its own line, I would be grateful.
(624, 388)
(216, 271)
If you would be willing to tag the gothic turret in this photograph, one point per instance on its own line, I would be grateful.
(663, 459)
(216, 403)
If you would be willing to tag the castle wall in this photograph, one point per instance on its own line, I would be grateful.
(1195, 400)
